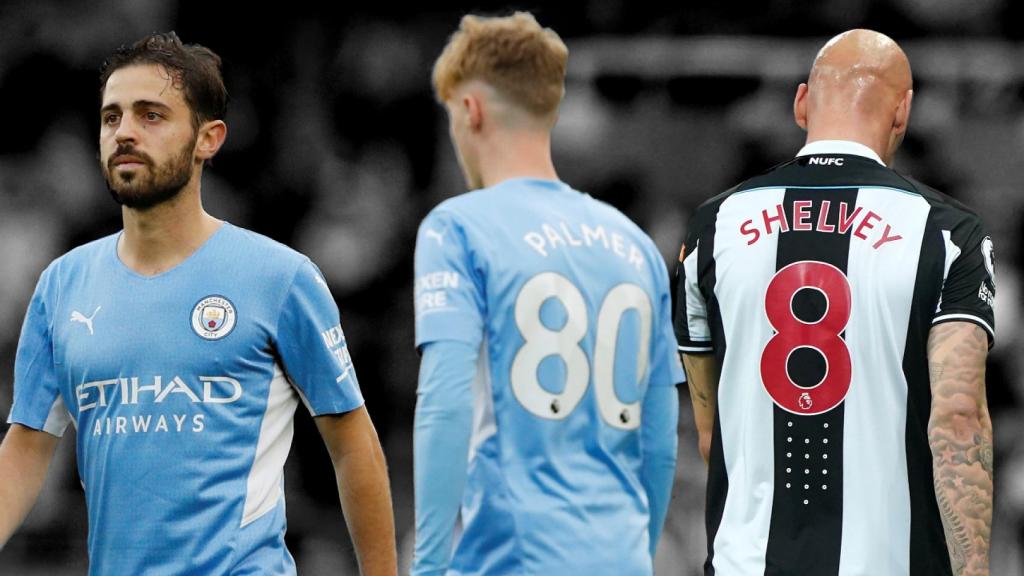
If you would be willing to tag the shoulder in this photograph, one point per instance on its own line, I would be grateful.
(264, 252)
(948, 211)
(84, 256)
(608, 213)
(497, 202)
(75, 263)
(707, 212)
(473, 204)
(465, 218)
(253, 259)
(284, 275)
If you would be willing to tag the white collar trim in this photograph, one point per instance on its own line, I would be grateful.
(839, 147)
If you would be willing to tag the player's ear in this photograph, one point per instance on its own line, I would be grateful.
(800, 106)
(902, 118)
(474, 111)
(210, 138)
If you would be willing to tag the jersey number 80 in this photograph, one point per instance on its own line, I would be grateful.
(540, 342)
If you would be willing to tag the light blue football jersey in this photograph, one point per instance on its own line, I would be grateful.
(183, 387)
(569, 303)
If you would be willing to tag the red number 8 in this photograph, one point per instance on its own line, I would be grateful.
(792, 333)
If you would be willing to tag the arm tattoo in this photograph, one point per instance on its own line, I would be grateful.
(960, 435)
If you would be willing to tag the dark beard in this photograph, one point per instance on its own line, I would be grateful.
(153, 187)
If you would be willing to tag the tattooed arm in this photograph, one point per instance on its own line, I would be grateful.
(960, 434)
(702, 378)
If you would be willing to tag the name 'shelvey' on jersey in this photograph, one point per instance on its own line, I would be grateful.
(551, 237)
(866, 225)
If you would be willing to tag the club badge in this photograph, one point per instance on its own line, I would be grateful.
(213, 317)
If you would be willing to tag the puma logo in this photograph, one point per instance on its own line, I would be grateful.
(344, 374)
(439, 236)
(77, 316)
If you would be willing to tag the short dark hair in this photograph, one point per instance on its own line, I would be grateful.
(195, 69)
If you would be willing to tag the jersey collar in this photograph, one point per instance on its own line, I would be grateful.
(839, 147)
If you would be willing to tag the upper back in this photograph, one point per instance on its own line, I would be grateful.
(816, 285)
(548, 272)
(524, 227)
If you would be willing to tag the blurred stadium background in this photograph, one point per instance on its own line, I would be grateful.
(336, 147)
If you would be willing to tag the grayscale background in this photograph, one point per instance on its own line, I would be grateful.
(337, 148)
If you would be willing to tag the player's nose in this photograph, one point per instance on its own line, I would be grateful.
(127, 130)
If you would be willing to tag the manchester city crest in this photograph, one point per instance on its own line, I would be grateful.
(213, 317)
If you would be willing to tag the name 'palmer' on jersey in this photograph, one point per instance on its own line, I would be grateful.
(551, 236)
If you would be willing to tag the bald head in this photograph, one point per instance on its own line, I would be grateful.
(859, 66)
(860, 89)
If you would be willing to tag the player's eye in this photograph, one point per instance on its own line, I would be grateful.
(111, 119)
(153, 116)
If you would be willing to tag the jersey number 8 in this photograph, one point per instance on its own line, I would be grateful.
(542, 342)
(822, 335)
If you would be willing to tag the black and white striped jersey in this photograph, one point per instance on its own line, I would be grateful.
(815, 285)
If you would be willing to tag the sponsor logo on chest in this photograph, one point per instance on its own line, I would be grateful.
(149, 394)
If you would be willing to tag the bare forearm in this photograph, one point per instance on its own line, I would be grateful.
(960, 434)
(24, 458)
(365, 496)
(702, 380)
(17, 495)
(963, 489)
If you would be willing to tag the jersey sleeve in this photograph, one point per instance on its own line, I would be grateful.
(442, 431)
(38, 403)
(659, 439)
(968, 287)
(449, 295)
(312, 346)
(666, 369)
(691, 311)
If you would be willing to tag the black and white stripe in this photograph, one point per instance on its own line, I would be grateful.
(848, 491)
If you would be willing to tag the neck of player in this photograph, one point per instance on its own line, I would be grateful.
(517, 154)
(159, 238)
(869, 131)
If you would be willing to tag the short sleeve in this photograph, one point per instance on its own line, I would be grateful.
(968, 287)
(666, 369)
(691, 310)
(449, 296)
(38, 403)
(312, 346)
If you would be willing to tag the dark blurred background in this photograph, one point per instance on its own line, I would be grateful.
(337, 148)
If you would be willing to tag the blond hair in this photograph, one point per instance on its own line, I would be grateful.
(514, 55)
